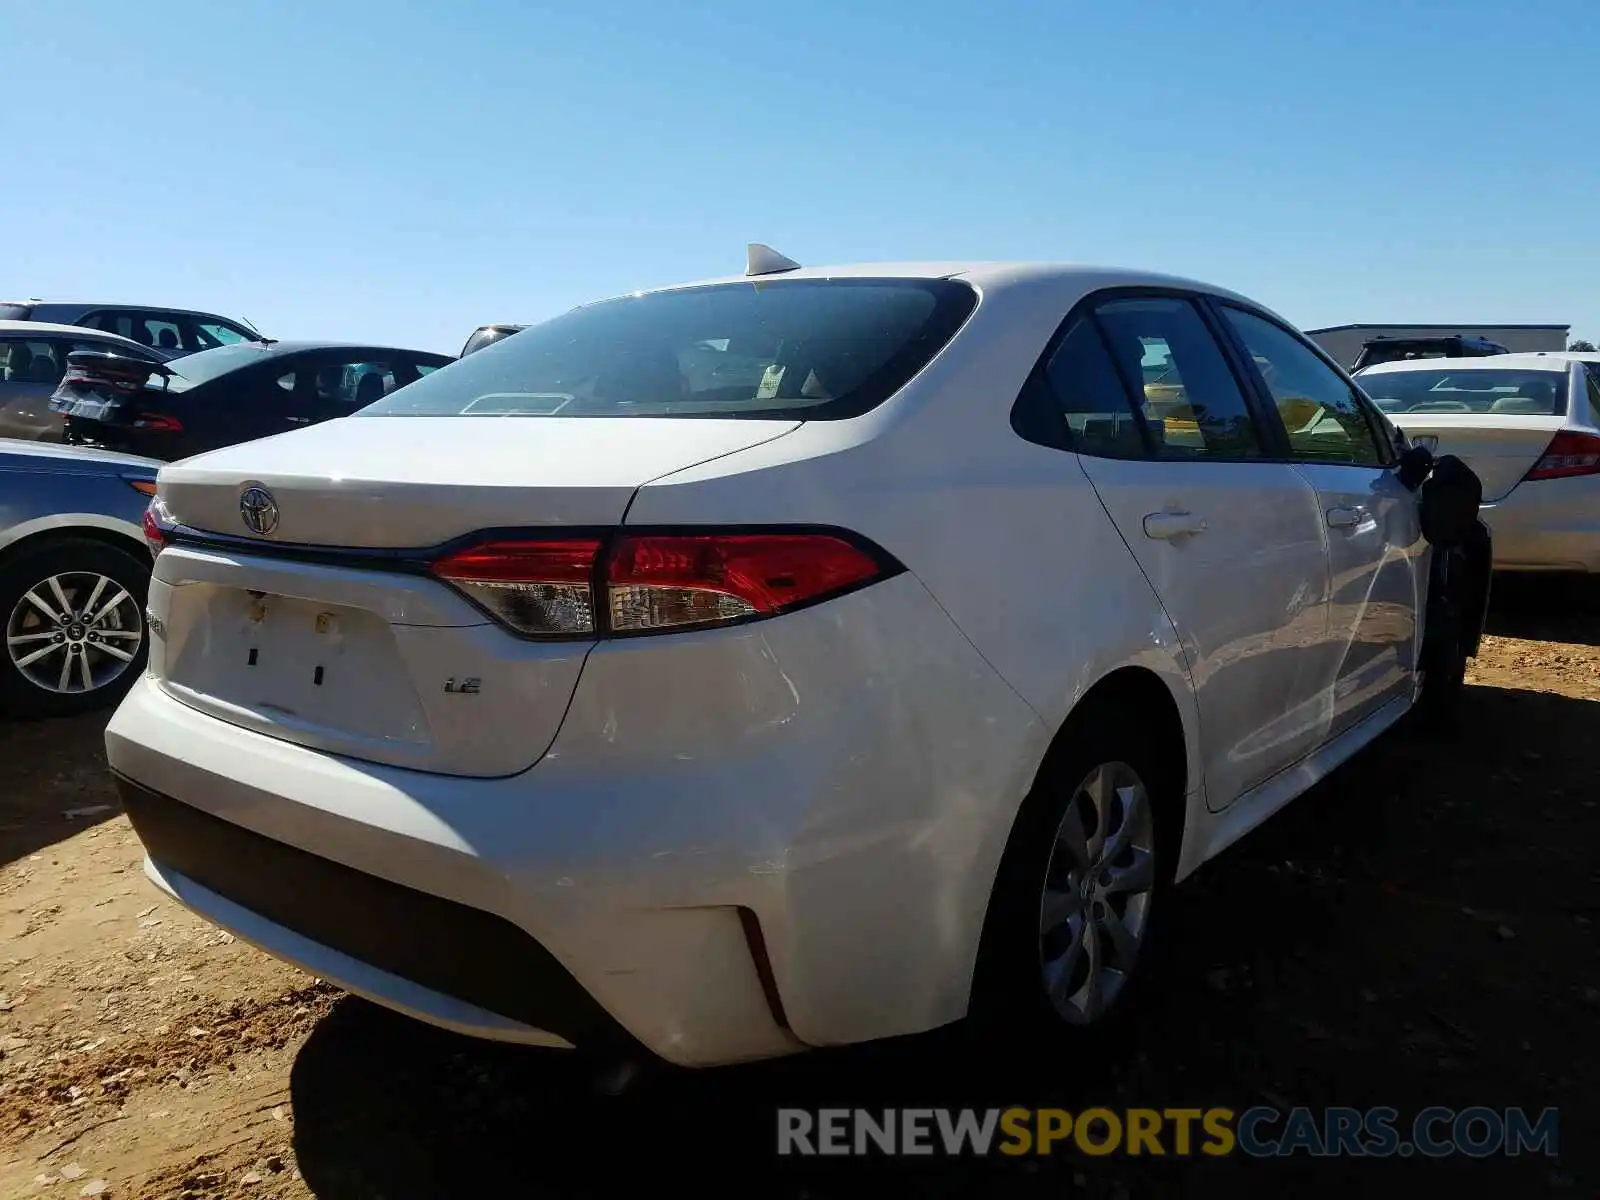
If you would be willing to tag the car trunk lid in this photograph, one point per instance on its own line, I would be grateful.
(329, 632)
(1501, 450)
(113, 400)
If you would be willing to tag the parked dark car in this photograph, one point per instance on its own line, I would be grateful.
(488, 335)
(231, 394)
(74, 569)
(175, 331)
(1386, 349)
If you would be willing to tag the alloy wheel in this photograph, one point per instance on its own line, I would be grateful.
(1095, 909)
(74, 632)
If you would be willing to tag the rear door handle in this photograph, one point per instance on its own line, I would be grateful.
(1346, 518)
(1164, 526)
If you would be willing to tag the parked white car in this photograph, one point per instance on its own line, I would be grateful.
(891, 673)
(1529, 426)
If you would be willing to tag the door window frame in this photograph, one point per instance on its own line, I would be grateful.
(1244, 361)
(1032, 424)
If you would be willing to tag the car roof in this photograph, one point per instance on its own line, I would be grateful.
(37, 328)
(1491, 362)
(55, 456)
(1065, 278)
(1587, 356)
(35, 302)
(277, 349)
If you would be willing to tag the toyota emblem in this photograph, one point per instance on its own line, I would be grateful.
(258, 509)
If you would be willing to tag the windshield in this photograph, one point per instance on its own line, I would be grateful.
(205, 365)
(806, 349)
(1501, 392)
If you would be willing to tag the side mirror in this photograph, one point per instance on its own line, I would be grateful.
(1415, 465)
(1451, 497)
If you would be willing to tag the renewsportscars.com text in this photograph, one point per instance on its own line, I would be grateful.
(1260, 1132)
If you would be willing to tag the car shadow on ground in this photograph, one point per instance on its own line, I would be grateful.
(1554, 609)
(53, 782)
(1411, 933)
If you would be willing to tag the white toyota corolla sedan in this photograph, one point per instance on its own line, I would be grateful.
(1529, 426)
(787, 660)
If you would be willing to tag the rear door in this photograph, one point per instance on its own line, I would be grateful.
(240, 406)
(1375, 549)
(1230, 541)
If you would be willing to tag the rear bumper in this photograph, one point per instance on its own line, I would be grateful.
(841, 780)
(1548, 525)
(465, 966)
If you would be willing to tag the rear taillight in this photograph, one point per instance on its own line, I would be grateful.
(158, 423)
(157, 526)
(656, 582)
(541, 588)
(1570, 452)
(669, 582)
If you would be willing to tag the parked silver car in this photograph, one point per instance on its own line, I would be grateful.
(74, 570)
(33, 360)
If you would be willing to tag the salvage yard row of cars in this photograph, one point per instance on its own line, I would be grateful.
(790, 659)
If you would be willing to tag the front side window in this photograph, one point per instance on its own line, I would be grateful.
(1503, 392)
(1320, 411)
(1192, 404)
(805, 349)
(212, 333)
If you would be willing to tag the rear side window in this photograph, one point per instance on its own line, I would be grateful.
(36, 362)
(1083, 380)
(1592, 373)
(808, 349)
(171, 332)
(1503, 392)
(1191, 403)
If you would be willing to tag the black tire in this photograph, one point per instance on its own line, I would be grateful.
(76, 562)
(1444, 672)
(1010, 1002)
(1443, 683)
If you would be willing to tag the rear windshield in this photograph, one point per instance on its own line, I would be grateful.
(809, 349)
(205, 365)
(1507, 393)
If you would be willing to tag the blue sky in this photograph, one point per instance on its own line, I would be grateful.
(405, 171)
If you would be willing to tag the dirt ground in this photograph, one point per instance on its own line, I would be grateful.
(1418, 931)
